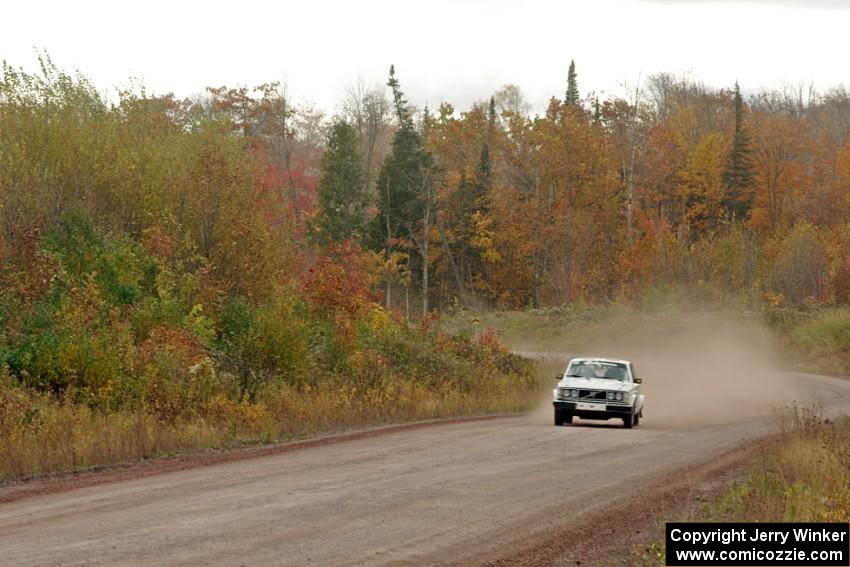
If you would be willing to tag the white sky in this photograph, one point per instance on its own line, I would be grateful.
(457, 51)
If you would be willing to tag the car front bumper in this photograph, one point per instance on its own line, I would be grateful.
(593, 411)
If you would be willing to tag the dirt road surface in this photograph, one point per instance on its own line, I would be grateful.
(461, 493)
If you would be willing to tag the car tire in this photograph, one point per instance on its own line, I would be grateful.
(636, 420)
(629, 420)
(568, 418)
(559, 418)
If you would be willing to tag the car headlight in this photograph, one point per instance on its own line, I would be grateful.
(610, 395)
(573, 393)
(619, 397)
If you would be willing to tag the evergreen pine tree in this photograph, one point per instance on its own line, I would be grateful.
(572, 96)
(342, 191)
(405, 192)
(485, 165)
(400, 178)
(739, 173)
(405, 121)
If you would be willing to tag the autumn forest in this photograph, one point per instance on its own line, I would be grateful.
(236, 266)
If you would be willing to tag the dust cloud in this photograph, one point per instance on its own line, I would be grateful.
(704, 370)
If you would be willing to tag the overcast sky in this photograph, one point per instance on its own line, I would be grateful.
(444, 50)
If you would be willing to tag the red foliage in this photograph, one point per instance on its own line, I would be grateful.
(24, 267)
(490, 340)
(173, 340)
(285, 197)
(338, 281)
(302, 185)
(158, 242)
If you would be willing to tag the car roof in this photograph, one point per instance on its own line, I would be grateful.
(600, 359)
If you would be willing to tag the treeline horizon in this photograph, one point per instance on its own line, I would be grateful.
(594, 200)
(803, 93)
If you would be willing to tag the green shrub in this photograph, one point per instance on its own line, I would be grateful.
(825, 339)
(262, 343)
(119, 265)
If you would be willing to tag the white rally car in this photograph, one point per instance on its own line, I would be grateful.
(599, 388)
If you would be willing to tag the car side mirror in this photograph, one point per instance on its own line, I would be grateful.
(638, 380)
(558, 377)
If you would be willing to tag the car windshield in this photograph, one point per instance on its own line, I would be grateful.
(598, 369)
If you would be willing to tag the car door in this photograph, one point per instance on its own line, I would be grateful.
(637, 388)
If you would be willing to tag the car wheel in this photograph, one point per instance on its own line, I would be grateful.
(629, 420)
(636, 420)
(559, 418)
(568, 418)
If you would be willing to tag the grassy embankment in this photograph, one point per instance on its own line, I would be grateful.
(442, 377)
(805, 477)
(41, 434)
(817, 339)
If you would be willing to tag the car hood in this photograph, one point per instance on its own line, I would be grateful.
(596, 384)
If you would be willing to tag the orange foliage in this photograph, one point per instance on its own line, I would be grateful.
(338, 281)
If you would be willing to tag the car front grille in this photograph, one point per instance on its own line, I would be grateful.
(585, 395)
(593, 396)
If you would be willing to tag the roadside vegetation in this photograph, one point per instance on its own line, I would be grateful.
(805, 477)
(112, 352)
(41, 432)
(818, 338)
(109, 355)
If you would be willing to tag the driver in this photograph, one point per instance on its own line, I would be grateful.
(599, 371)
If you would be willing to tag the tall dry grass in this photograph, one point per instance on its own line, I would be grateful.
(41, 434)
(805, 478)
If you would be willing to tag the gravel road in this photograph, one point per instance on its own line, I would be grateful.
(452, 494)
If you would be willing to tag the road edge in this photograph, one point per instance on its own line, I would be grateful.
(54, 483)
